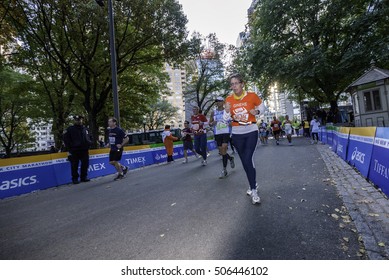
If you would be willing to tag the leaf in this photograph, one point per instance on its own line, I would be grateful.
(290, 208)
(373, 215)
(346, 239)
(337, 210)
(336, 217)
(353, 230)
(341, 225)
(279, 197)
(173, 204)
(381, 244)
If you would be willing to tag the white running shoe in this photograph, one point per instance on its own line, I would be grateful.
(185, 161)
(203, 162)
(249, 191)
(254, 197)
(223, 174)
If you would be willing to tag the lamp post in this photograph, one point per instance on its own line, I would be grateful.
(116, 110)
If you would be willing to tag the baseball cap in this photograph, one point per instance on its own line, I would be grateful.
(78, 117)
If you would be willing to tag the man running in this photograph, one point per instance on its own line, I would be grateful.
(199, 122)
(117, 139)
(263, 132)
(187, 141)
(222, 135)
(276, 127)
(287, 126)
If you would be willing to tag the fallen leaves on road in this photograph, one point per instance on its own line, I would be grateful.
(381, 244)
(341, 225)
(173, 204)
(373, 215)
(346, 239)
(336, 217)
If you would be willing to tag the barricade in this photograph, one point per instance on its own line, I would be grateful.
(27, 174)
(342, 146)
(360, 148)
(379, 163)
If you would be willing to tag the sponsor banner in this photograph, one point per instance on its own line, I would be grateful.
(342, 145)
(335, 133)
(26, 177)
(139, 159)
(323, 135)
(26, 174)
(379, 164)
(330, 135)
(211, 145)
(360, 148)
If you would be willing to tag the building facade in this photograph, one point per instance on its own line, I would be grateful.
(370, 98)
(176, 86)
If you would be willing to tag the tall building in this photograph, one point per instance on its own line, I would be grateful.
(176, 86)
(44, 138)
(279, 104)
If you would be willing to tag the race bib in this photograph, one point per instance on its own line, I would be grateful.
(112, 140)
(196, 126)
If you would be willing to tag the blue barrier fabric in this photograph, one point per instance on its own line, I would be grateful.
(360, 148)
(342, 145)
(46, 172)
(379, 164)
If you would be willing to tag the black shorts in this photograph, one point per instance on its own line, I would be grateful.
(188, 145)
(115, 155)
(222, 139)
(275, 132)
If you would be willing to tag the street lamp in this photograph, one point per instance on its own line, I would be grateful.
(113, 59)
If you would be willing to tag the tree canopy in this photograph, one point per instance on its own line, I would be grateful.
(315, 48)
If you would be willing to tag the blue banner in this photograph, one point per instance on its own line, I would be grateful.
(330, 134)
(342, 145)
(379, 164)
(360, 148)
(26, 177)
(335, 133)
(324, 135)
(27, 174)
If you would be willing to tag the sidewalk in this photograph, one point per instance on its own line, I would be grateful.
(367, 206)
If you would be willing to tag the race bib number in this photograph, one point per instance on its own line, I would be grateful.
(196, 126)
(112, 140)
(221, 125)
(276, 125)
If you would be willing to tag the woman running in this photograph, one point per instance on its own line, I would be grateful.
(242, 107)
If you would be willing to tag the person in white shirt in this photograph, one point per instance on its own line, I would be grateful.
(315, 127)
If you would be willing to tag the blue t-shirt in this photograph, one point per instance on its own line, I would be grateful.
(116, 136)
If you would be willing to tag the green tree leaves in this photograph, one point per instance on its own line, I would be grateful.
(314, 48)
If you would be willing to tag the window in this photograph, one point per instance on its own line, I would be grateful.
(356, 105)
(372, 100)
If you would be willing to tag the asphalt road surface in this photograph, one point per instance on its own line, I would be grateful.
(183, 211)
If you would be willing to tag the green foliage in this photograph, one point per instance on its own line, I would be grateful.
(67, 41)
(314, 48)
(16, 105)
(205, 71)
(160, 114)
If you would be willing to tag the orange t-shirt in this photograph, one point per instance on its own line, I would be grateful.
(240, 108)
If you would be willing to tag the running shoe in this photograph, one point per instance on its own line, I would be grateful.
(277, 142)
(232, 162)
(119, 177)
(185, 161)
(203, 162)
(254, 197)
(249, 191)
(223, 174)
(125, 169)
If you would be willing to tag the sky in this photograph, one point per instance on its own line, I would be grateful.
(226, 18)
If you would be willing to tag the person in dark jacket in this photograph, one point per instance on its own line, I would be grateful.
(77, 141)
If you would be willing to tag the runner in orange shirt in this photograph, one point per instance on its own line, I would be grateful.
(242, 108)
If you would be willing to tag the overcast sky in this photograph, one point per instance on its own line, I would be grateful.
(226, 18)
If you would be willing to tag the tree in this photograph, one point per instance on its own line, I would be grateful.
(15, 90)
(74, 34)
(159, 114)
(314, 48)
(205, 71)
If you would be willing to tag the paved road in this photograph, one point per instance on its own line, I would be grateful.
(183, 211)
